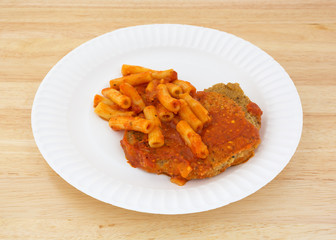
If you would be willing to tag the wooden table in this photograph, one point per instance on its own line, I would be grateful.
(300, 203)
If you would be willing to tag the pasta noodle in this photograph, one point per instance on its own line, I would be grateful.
(123, 104)
(197, 108)
(186, 86)
(118, 98)
(155, 137)
(166, 100)
(137, 103)
(169, 74)
(186, 114)
(133, 79)
(97, 99)
(192, 139)
(164, 114)
(106, 112)
(174, 89)
(131, 69)
(131, 123)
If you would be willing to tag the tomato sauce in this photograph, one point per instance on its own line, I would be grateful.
(227, 133)
(254, 110)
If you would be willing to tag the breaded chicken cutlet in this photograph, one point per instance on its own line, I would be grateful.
(231, 137)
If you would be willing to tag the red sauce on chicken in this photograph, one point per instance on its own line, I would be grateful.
(228, 133)
(254, 110)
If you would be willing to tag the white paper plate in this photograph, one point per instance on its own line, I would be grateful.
(83, 150)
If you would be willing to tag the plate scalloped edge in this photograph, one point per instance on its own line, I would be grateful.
(50, 130)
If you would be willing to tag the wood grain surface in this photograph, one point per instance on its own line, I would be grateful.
(300, 203)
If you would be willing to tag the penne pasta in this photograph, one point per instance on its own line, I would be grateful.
(166, 100)
(164, 114)
(118, 98)
(192, 139)
(131, 123)
(137, 103)
(197, 108)
(174, 89)
(133, 79)
(150, 91)
(186, 86)
(169, 74)
(131, 69)
(164, 122)
(152, 115)
(187, 114)
(106, 112)
(155, 137)
(150, 87)
(97, 99)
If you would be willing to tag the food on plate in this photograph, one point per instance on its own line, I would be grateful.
(172, 104)
(187, 114)
(185, 86)
(233, 91)
(174, 90)
(164, 114)
(97, 99)
(106, 111)
(131, 123)
(117, 97)
(170, 128)
(197, 108)
(192, 139)
(155, 137)
(137, 103)
(133, 79)
(129, 70)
